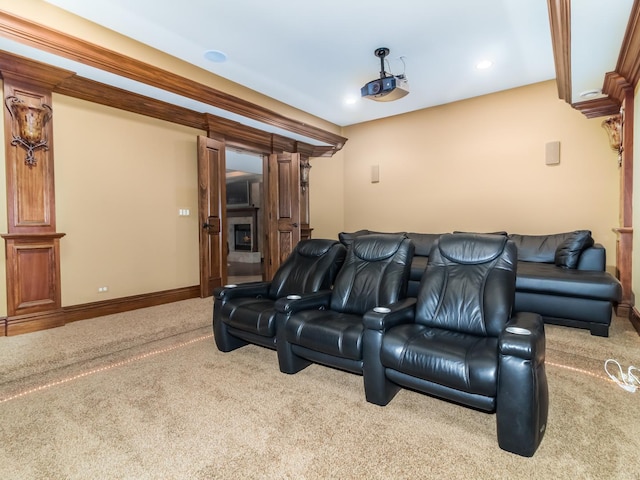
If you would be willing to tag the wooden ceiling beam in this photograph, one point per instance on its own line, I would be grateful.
(560, 22)
(76, 49)
(626, 74)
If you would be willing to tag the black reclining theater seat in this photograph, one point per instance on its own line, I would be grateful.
(246, 313)
(327, 327)
(459, 341)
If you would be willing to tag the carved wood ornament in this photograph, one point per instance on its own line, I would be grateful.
(613, 127)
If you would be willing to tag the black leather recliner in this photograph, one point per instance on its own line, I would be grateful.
(245, 313)
(327, 327)
(459, 341)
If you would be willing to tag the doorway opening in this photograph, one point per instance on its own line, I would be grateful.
(245, 229)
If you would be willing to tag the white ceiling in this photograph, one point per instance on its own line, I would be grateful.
(315, 55)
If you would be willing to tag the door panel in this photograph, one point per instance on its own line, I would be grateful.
(284, 208)
(212, 214)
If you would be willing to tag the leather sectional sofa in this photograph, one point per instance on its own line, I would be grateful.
(560, 276)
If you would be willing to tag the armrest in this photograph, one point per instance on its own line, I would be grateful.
(523, 337)
(399, 312)
(593, 258)
(251, 289)
(306, 301)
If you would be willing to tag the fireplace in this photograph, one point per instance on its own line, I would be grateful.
(242, 240)
(243, 235)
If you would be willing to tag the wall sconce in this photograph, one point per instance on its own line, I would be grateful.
(30, 122)
(304, 173)
(613, 127)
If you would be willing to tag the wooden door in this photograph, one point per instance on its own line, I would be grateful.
(283, 199)
(212, 214)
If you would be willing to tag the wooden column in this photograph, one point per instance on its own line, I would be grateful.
(617, 87)
(305, 151)
(32, 243)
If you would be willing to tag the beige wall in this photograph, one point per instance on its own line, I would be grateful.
(120, 180)
(326, 195)
(479, 165)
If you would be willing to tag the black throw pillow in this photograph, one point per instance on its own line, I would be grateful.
(568, 252)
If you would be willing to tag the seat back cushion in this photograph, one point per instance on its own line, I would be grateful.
(375, 272)
(312, 265)
(544, 248)
(469, 284)
(347, 238)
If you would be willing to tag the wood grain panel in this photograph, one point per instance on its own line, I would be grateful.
(33, 274)
(284, 187)
(31, 202)
(286, 244)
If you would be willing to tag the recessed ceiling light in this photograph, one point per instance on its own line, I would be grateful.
(350, 100)
(591, 93)
(484, 64)
(215, 56)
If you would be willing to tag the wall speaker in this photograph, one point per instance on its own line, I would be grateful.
(375, 173)
(552, 153)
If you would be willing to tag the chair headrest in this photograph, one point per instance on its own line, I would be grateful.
(376, 247)
(315, 247)
(469, 248)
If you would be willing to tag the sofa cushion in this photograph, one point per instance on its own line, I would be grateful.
(544, 278)
(540, 248)
(569, 251)
(453, 359)
(423, 242)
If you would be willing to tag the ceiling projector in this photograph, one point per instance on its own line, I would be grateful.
(388, 87)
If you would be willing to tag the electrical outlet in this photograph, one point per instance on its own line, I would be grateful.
(103, 289)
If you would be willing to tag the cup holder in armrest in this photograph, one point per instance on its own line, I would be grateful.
(293, 297)
(518, 330)
(381, 309)
(231, 285)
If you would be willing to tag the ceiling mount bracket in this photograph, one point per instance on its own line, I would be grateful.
(381, 53)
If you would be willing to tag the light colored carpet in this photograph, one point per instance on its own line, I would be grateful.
(146, 395)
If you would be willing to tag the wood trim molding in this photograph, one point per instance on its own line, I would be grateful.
(32, 323)
(634, 317)
(69, 84)
(560, 21)
(96, 92)
(76, 49)
(125, 304)
(627, 68)
(235, 133)
(623, 268)
(31, 72)
(628, 65)
(617, 87)
(598, 107)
